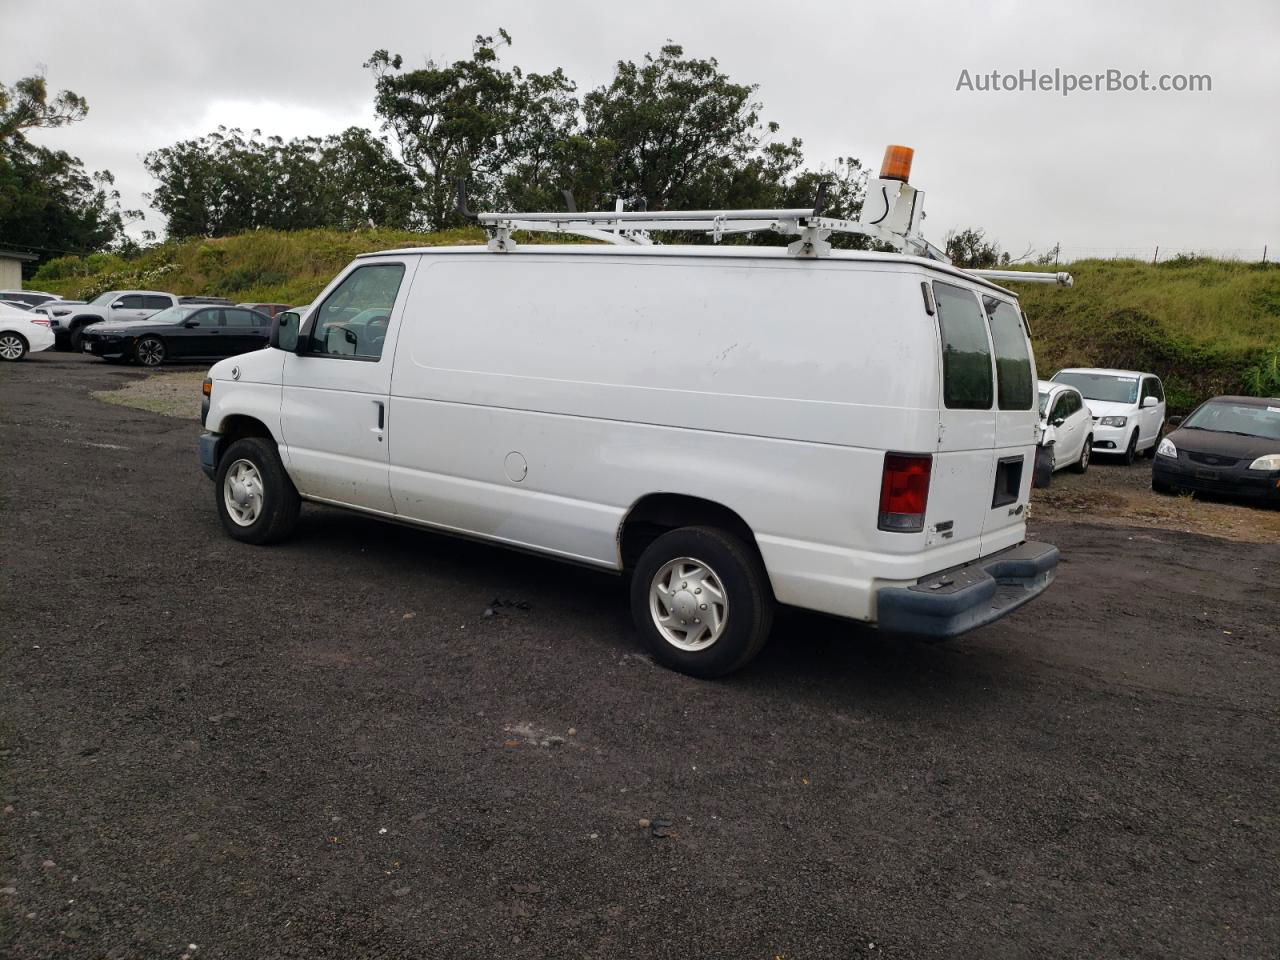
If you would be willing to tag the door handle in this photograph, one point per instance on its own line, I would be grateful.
(382, 415)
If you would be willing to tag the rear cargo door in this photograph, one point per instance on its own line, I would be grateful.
(960, 489)
(1015, 425)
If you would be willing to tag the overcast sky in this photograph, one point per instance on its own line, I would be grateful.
(1103, 170)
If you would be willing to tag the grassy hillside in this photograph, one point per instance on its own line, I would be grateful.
(1207, 326)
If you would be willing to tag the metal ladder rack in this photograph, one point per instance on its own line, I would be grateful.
(893, 205)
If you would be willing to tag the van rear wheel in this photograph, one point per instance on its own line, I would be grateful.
(256, 501)
(701, 601)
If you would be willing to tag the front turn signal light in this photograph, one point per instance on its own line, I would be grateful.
(207, 387)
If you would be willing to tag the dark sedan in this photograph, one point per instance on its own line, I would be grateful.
(1228, 445)
(189, 331)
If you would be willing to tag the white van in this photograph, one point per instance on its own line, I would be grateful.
(731, 426)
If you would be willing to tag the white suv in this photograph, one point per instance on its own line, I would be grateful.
(1127, 405)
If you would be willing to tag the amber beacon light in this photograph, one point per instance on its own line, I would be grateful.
(897, 163)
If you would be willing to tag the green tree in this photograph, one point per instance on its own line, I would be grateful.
(49, 202)
(500, 129)
(969, 248)
(227, 182)
(676, 132)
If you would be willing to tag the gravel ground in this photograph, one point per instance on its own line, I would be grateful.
(327, 749)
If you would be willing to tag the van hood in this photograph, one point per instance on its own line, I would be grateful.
(1109, 408)
(256, 366)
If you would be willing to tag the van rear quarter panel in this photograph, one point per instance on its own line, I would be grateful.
(772, 387)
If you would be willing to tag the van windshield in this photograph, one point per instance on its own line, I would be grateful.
(1106, 387)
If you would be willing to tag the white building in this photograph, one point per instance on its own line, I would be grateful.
(11, 262)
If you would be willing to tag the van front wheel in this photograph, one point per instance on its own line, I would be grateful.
(257, 502)
(701, 601)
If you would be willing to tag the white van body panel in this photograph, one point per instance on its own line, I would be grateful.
(534, 397)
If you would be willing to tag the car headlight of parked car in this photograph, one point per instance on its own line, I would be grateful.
(1270, 462)
(1167, 449)
(1114, 421)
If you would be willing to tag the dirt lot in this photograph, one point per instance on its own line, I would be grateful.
(326, 749)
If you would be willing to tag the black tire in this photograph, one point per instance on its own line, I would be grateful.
(1131, 451)
(749, 606)
(149, 351)
(1086, 455)
(1150, 452)
(75, 339)
(280, 504)
(13, 346)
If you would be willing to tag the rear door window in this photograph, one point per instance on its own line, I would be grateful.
(966, 353)
(157, 303)
(1014, 388)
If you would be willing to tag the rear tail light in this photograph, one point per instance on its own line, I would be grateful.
(43, 321)
(904, 491)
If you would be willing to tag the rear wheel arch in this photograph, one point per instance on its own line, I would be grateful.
(656, 513)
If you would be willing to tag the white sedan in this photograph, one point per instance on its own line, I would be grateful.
(22, 333)
(1066, 425)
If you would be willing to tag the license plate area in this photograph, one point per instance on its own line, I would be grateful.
(1206, 474)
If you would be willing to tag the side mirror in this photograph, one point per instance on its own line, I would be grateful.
(1148, 402)
(191, 323)
(118, 305)
(284, 331)
(1175, 421)
(1059, 421)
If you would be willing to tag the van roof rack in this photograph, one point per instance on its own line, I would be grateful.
(892, 214)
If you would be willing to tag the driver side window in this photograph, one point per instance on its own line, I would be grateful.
(352, 321)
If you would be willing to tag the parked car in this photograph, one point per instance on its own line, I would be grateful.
(189, 331)
(22, 332)
(270, 309)
(1128, 409)
(1066, 426)
(32, 298)
(1227, 445)
(68, 323)
(825, 437)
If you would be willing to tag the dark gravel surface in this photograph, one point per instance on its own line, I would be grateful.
(327, 749)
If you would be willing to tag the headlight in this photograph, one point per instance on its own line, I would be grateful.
(1167, 449)
(1270, 462)
(1114, 421)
